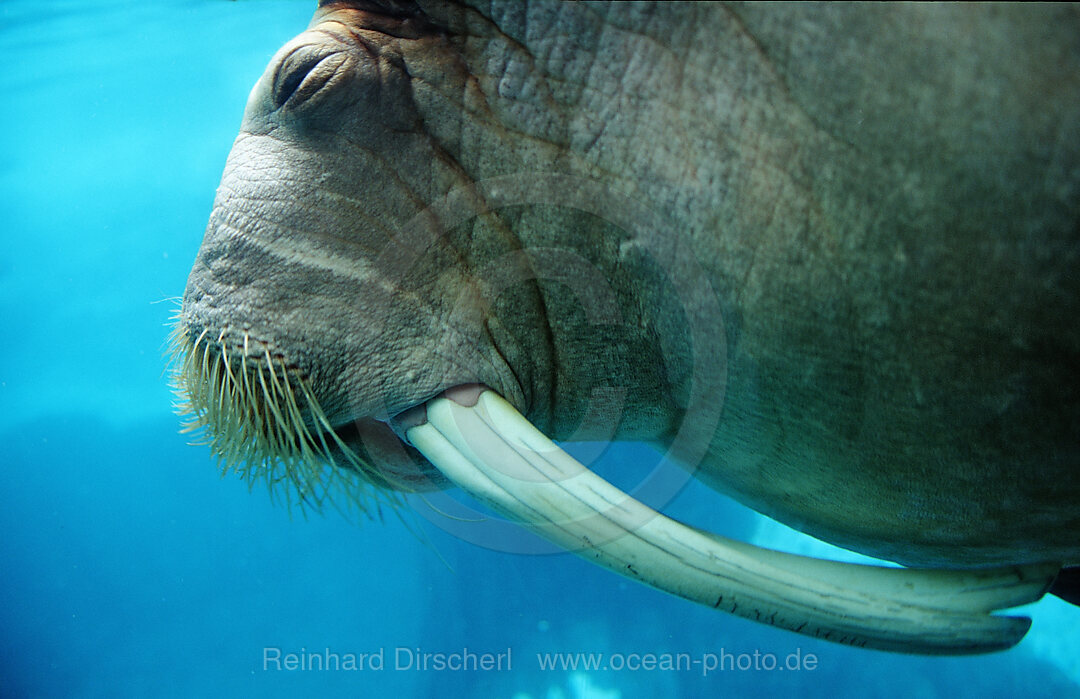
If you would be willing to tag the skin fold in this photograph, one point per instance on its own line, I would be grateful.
(825, 256)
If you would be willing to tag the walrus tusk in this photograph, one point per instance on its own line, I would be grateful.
(495, 454)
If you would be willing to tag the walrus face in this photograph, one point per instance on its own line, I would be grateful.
(333, 294)
(309, 317)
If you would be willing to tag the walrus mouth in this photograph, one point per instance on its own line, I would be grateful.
(480, 442)
(262, 420)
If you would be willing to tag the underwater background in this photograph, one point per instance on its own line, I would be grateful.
(129, 567)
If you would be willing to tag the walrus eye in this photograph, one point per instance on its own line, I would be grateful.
(303, 73)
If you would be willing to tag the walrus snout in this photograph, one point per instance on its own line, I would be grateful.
(262, 418)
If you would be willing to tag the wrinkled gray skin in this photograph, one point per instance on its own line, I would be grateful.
(884, 199)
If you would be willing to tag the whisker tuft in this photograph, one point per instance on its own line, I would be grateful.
(261, 419)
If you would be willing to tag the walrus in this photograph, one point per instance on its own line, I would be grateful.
(823, 257)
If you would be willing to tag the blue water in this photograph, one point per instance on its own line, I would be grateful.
(129, 568)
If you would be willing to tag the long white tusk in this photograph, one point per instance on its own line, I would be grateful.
(495, 454)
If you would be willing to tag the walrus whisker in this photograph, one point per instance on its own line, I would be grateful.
(195, 345)
(274, 431)
(262, 421)
(304, 439)
(447, 515)
(260, 414)
(320, 418)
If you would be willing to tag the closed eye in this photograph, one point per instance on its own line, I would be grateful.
(303, 73)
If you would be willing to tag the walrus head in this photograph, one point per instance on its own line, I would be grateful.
(322, 301)
(352, 269)
(354, 276)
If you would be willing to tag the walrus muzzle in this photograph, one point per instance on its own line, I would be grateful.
(261, 419)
